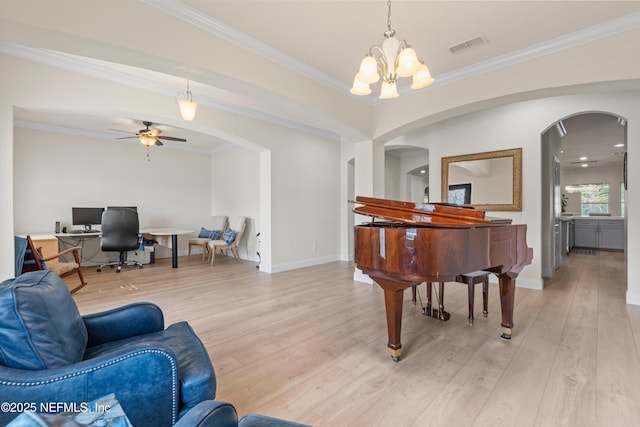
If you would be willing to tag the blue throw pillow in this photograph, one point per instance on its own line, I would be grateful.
(204, 233)
(229, 236)
(209, 234)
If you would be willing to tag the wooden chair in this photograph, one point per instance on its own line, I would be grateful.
(218, 223)
(33, 260)
(221, 245)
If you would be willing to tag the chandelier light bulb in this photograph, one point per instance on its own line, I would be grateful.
(408, 62)
(388, 90)
(360, 87)
(422, 78)
(368, 70)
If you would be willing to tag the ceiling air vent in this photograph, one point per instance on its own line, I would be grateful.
(468, 44)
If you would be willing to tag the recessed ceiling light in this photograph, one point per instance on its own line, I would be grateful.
(619, 145)
(584, 165)
(423, 171)
(583, 158)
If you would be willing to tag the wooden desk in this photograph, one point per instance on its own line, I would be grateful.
(161, 236)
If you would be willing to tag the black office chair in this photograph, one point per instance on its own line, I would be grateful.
(120, 233)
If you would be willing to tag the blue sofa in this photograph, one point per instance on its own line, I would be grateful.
(50, 353)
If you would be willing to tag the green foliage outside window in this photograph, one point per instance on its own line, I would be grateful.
(595, 201)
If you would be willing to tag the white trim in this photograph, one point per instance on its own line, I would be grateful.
(277, 268)
(633, 298)
(195, 17)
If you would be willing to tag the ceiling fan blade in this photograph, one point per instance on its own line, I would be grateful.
(171, 138)
(125, 131)
(159, 143)
(127, 137)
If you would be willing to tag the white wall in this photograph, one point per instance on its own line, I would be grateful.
(393, 178)
(235, 182)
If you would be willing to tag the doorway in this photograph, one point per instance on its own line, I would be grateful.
(589, 147)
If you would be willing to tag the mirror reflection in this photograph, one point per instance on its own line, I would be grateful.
(489, 181)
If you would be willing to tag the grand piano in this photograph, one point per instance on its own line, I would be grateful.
(406, 244)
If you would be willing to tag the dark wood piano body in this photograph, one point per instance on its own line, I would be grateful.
(400, 254)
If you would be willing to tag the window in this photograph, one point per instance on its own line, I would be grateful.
(594, 199)
(622, 199)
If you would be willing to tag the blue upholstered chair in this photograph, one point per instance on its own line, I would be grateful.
(50, 353)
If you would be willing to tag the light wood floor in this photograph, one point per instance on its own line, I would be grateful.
(310, 345)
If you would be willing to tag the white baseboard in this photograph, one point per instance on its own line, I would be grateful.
(277, 268)
(633, 298)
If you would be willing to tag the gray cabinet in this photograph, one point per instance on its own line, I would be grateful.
(611, 234)
(586, 233)
(599, 233)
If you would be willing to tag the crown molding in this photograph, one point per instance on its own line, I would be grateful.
(81, 65)
(195, 17)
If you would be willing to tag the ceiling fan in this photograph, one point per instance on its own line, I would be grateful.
(150, 136)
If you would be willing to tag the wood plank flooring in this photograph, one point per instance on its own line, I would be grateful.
(310, 345)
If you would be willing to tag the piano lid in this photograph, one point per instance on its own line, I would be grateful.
(422, 214)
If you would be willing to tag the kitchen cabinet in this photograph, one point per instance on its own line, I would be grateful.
(599, 233)
(611, 234)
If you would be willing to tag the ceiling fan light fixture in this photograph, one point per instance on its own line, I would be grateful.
(187, 104)
(147, 140)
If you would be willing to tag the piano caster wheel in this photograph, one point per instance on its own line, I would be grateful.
(506, 334)
(395, 359)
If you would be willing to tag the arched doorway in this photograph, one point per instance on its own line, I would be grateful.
(582, 179)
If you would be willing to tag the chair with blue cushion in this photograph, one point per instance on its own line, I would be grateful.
(230, 239)
(218, 225)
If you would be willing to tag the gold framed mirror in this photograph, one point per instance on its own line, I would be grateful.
(490, 181)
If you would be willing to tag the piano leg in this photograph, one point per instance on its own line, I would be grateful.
(393, 295)
(507, 283)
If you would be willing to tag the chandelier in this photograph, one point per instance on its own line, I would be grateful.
(395, 59)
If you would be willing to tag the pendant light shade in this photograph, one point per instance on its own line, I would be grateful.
(187, 104)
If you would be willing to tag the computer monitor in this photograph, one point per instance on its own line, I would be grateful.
(86, 217)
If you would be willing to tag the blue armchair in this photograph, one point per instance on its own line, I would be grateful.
(49, 353)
